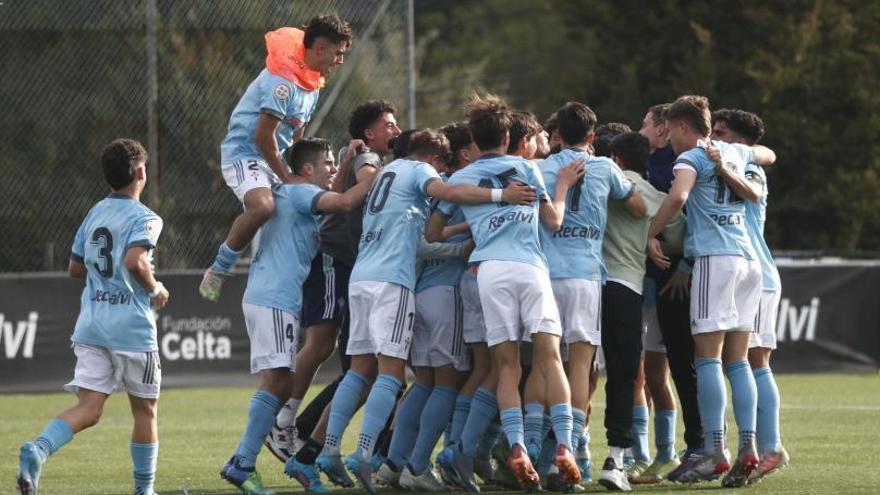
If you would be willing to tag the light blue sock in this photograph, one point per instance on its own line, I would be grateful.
(261, 417)
(226, 257)
(380, 404)
(768, 410)
(533, 421)
(640, 450)
(512, 422)
(745, 400)
(712, 401)
(459, 416)
(490, 438)
(407, 426)
(143, 461)
(664, 434)
(345, 403)
(484, 407)
(584, 445)
(579, 418)
(56, 435)
(437, 412)
(562, 420)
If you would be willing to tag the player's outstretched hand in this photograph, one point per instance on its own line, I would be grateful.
(517, 193)
(655, 252)
(677, 287)
(572, 172)
(161, 299)
(355, 147)
(715, 155)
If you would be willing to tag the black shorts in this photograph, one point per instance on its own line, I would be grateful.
(325, 291)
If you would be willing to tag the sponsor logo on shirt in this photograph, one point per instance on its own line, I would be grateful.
(722, 220)
(112, 298)
(566, 232)
(514, 216)
(282, 92)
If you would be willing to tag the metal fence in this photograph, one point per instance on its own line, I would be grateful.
(79, 73)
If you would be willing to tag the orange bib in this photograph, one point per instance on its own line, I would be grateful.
(286, 58)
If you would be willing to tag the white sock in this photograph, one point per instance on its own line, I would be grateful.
(617, 454)
(287, 415)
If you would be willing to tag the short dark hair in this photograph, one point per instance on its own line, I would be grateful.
(400, 144)
(489, 119)
(428, 142)
(551, 125)
(306, 150)
(658, 113)
(576, 121)
(459, 136)
(523, 125)
(366, 114)
(119, 159)
(694, 110)
(604, 134)
(633, 149)
(746, 124)
(330, 27)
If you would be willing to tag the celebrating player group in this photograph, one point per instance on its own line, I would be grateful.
(504, 261)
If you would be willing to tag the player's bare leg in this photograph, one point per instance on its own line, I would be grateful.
(259, 206)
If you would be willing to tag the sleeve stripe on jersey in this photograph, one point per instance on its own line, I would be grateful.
(76, 257)
(272, 112)
(428, 183)
(141, 243)
(685, 162)
(315, 210)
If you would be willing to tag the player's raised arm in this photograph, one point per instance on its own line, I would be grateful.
(515, 193)
(553, 213)
(436, 224)
(334, 202)
(351, 151)
(762, 155)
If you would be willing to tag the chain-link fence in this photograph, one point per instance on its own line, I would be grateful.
(79, 73)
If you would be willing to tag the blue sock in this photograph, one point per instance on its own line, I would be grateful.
(584, 445)
(664, 434)
(712, 401)
(226, 257)
(745, 400)
(562, 420)
(490, 438)
(437, 412)
(143, 461)
(380, 405)
(640, 450)
(579, 418)
(533, 421)
(484, 407)
(459, 416)
(345, 403)
(768, 410)
(512, 422)
(407, 426)
(56, 435)
(547, 459)
(261, 417)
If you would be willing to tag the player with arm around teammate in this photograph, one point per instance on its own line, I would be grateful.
(273, 298)
(270, 115)
(727, 281)
(738, 126)
(115, 335)
(514, 287)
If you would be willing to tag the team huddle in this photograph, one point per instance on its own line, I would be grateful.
(503, 261)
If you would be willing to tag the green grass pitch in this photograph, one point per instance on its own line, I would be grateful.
(830, 425)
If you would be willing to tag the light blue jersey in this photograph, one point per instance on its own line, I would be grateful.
(444, 270)
(273, 95)
(394, 221)
(502, 231)
(756, 215)
(288, 243)
(114, 309)
(575, 250)
(716, 215)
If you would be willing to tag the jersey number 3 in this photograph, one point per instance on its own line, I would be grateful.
(102, 236)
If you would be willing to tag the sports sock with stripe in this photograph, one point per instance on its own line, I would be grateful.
(484, 407)
(579, 419)
(143, 461)
(512, 423)
(533, 421)
(56, 435)
(459, 416)
(562, 421)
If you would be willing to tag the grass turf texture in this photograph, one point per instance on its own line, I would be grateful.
(830, 425)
